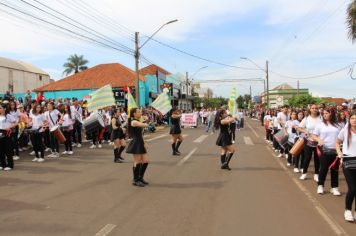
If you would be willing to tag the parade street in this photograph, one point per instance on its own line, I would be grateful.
(88, 194)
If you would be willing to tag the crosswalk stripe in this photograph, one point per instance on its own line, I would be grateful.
(248, 140)
(201, 138)
(158, 137)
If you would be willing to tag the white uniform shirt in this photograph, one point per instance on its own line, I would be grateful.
(309, 123)
(37, 120)
(54, 115)
(67, 121)
(328, 133)
(77, 113)
(289, 126)
(7, 121)
(283, 117)
(15, 114)
(349, 150)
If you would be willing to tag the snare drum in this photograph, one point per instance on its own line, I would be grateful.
(93, 122)
(58, 134)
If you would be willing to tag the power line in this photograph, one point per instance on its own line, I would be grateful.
(65, 29)
(95, 33)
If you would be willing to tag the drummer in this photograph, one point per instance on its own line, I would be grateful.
(52, 117)
(67, 122)
(38, 121)
(77, 113)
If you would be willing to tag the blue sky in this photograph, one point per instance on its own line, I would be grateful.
(300, 38)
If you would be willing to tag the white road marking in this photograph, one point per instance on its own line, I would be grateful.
(253, 130)
(319, 208)
(248, 140)
(181, 162)
(105, 230)
(201, 138)
(155, 138)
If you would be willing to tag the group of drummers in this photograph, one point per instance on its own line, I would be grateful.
(324, 134)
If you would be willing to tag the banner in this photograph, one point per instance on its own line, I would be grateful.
(103, 97)
(131, 103)
(189, 119)
(232, 102)
(162, 102)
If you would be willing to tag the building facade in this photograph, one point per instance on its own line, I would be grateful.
(18, 77)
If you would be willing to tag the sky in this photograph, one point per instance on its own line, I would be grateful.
(299, 38)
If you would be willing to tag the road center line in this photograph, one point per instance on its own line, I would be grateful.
(158, 137)
(105, 230)
(248, 140)
(253, 130)
(319, 208)
(181, 162)
(201, 138)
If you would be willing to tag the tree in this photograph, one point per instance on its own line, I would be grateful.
(303, 100)
(240, 101)
(351, 20)
(75, 64)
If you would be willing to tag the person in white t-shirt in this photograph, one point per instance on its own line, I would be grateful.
(292, 135)
(7, 122)
(67, 122)
(325, 133)
(347, 137)
(52, 116)
(77, 114)
(37, 122)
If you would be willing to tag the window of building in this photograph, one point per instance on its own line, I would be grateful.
(40, 77)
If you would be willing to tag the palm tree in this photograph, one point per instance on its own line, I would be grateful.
(351, 20)
(75, 64)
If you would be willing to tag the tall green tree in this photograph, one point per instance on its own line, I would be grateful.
(75, 64)
(351, 20)
(303, 100)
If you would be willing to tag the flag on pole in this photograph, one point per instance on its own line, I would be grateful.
(232, 102)
(102, 97)
(131, 103)
(163, 102)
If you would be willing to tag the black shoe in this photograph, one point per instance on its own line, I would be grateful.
(138, 184)
(224, 166)
(121, 158)
(144, 182)
(118, 161)
(178, 152)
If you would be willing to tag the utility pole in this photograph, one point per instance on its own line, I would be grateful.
(250, 97)
(137, 58)
(298, 88)
(267, 79)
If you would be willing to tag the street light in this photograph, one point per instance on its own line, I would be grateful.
(191, 77)
(265, 70)
(137, 57)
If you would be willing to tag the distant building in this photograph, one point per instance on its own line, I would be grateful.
(279, 95)
(202, 92)
(18, 77)
(336, 101)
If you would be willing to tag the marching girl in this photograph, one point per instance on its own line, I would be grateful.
(266, 123)
(222, 122)
(325, 133)
(52, 117)
(118, 135)
(292, 135)
(176, 131)
(67, 122)
(23, 122)
(7, 122)
(15, 131)
(37, 123)
(347, 137)
(307, 127)
(298, 160)
(137, 147)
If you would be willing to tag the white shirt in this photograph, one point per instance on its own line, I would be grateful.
(54, 115)
(67, 121)
(283, 117)
(289, 126)
(37, 120)
(309, 123)
(77, 112)
(15, 114)
(7, 121)
(328, 133)
(349, 150)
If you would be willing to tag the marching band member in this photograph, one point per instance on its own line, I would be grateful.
(67, 122)
(37, 123)
(325, 133)
(7, 122)
(222, 122)
(52, 117)
(298, 160)
(77, 113)
(23, 123)
(347, 137)
(118, 134)
(307, 127)
(15, 131)
(137, 147)
(291, 130)
(176, 131)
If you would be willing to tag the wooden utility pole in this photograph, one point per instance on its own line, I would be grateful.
(267, 79)
(137, 60)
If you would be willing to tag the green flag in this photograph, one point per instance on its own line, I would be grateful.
(102, 97)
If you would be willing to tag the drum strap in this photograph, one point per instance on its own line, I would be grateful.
(49, 114)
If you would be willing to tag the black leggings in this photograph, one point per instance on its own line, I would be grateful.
(46, 138)
(350, 176)
(54, 142)
(325, 162)
(37, 143)
(6, 159)
(308, 153)
(15, 142)
(68, 142)
(77, 132)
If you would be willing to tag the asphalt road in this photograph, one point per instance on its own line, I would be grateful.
(88, 194)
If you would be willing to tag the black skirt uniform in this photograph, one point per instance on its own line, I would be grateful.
(175, 127)
(224, 138)
(137, 145)
(117, 133)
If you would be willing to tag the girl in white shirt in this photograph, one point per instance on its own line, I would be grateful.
(67, 122)
(347, 137)
(325, 133)
(52, 117)
(292, 135)
(7, 122)
(38, 121)
(15, 131)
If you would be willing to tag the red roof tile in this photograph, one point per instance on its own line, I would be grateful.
(152, 70)
(98, 76)
(336, 101)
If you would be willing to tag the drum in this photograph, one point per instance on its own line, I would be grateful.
(93, 122)
(297, 147)
(58, 134)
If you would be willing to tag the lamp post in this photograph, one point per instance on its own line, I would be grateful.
(137, 57)
(265, 70)
(191, 77)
